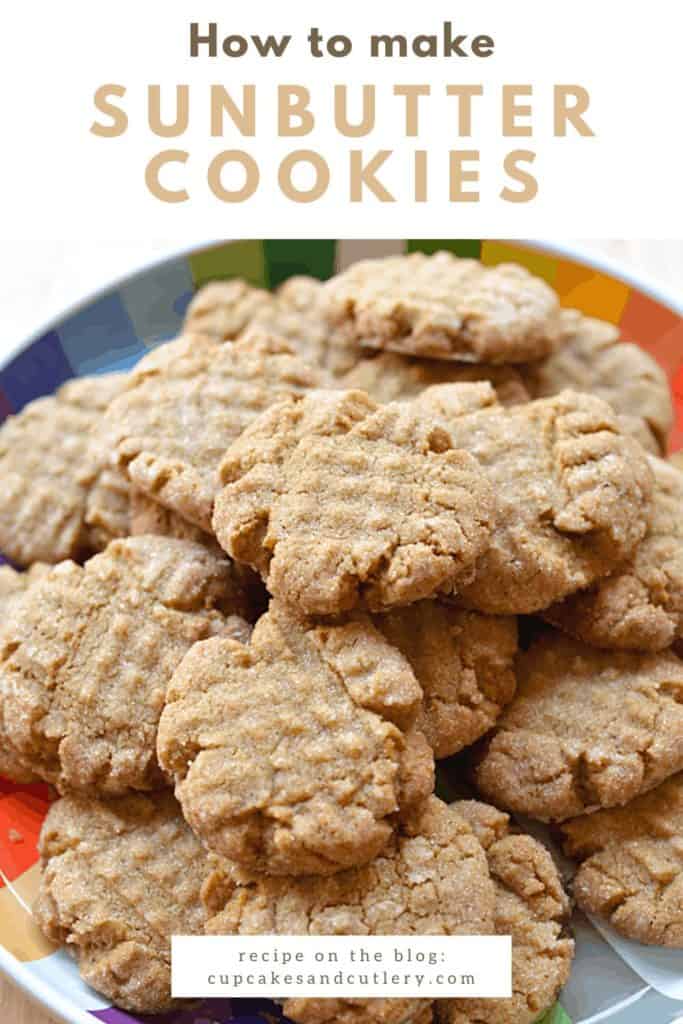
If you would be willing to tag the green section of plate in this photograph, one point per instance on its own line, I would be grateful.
(245, 259)
(555, 1015)
(287, 257)
(470, 247)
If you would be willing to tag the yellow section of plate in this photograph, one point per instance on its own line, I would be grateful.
(18, 932)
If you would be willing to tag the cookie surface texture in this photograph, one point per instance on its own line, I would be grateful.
(632, 865)
(464, 662)
(443, 307)
(640, 605)
(342, 503)
(183, 406)
(86, 656)
(572, 493)
(221, 310)
(119, 879)
(587, 729)
(292, 755)
(391, 377)
(432, 879)
(49, 465)
(532, 907)
(592, 358)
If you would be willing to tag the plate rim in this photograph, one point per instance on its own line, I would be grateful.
(561, 250)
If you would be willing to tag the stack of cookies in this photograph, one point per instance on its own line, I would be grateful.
(326, 537)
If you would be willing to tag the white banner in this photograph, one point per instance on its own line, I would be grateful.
(487, 119)
(350, 966)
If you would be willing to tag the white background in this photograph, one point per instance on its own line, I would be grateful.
(57, 180)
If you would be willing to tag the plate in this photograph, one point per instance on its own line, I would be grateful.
(111, 330)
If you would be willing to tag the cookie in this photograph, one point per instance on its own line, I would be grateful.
(148, 516)
(572, 493)
(640, 605)
(587, 729)
(86, 656)
(245, 595)
(49, 467)
(293, 755)
(390, 377)
(185, 403)
(632, 865)
(464, 662)
(119, 878)
(532, 907)
(221, 310)
(339, 502)
(298, 315)
(431, 879)
(443, 307)
(13, 585)
(592, 358)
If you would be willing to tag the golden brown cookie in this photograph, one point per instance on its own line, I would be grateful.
(293, 755)
(572, 493)
(587, 729)
(443, 307)
(119, 879)
(390, 377)
(185, 403)
(432, 879)
(13, 584)
(464, 662)
(222, 309)
(640, 605)
(86, 656)
(632, 865)
(148, 516)
(298, 315)
(592, 358)
(49, 468)
(532, 907)
(245, 596)
(339, 502)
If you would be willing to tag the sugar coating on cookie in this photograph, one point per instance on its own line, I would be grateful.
(49, 466)
(640, 605)
(86, 655)
(572, 493)
(119, 878)
(443, 307)
(339, 502)
(631, 870)
(587, 729)
(464, 662)
(593, 358)
(293, 754)
(222, 309)
(391, 377)
(431, 879)
(185, 403)
(532, 907)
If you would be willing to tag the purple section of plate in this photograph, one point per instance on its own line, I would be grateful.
(209, 1011)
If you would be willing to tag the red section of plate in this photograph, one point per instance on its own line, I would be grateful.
(22, 810)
